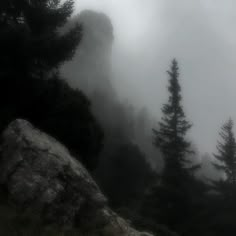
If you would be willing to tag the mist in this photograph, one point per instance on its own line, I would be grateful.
(200, 34)
(117, 117)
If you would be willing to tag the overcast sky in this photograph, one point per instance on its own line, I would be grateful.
(201, 34)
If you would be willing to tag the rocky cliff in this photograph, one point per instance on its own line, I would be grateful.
(39, 173)
(93, 52)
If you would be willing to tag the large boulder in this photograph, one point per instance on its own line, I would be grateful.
(40, 174)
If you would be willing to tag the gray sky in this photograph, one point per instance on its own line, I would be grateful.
(201, 34)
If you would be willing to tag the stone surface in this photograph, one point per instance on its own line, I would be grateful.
(40, 174)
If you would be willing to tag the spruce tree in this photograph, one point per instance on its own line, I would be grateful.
(226, 153)
(173, 195)
(32, 42)
(170, 137)
(32, 48)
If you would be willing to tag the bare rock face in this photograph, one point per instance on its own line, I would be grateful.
(95, 52)
(40, 174)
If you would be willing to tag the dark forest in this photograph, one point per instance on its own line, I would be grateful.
(56, 75)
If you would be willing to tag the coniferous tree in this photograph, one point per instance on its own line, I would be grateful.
(226, 155)
(224, 201)
(170, 137)
(33, 45)
(173, 196)
(32, 48)
(31, 38)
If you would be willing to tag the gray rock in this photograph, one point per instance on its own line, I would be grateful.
(40, 174)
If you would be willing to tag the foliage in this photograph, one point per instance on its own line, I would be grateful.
(172, 200)
(32, 49)
(31, 38)
(227, 153)
(170, 137)
(127, 174)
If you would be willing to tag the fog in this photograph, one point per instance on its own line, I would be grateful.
(130, 106)
(200, 34)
